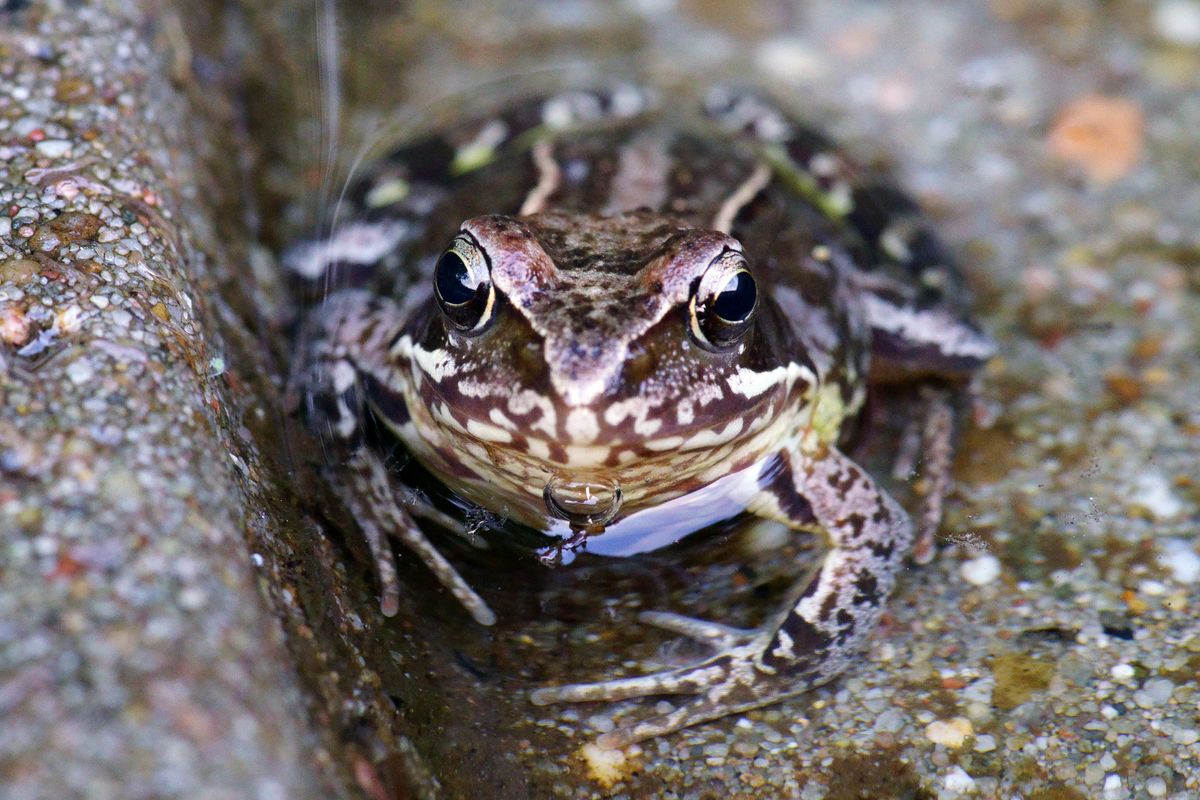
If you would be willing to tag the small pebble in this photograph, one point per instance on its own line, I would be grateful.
(1152, 588)
(1178, 22)
(601, 723)
(1178, 556)
(745, 749)
(1112, 785)
(716, 750)
(54, 148)
(1152, 491)
(80, 371)
(1101, 135)
(1156, 692)
(1121, 672)
(1186, 736)
(949, 733)
(1156, 787)
(890, 721)
(606, 767)
(980, 571)
(789, 59)
(957, 780)
(985, 743)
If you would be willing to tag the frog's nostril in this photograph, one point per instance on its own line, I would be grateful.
(639, 365)
(585, 503)
(529, 359)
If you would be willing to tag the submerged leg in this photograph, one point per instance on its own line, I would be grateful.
(368, 491)
(937, 439)
(927, 451)
(336, 368)
(815, 635)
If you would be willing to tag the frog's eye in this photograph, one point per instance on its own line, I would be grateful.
(463, 286)
(723, 302)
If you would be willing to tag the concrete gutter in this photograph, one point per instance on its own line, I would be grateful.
(137, 657)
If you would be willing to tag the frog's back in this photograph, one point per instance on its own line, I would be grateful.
(810, 221)
(629, 148)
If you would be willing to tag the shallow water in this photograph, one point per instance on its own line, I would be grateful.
(1052, 649)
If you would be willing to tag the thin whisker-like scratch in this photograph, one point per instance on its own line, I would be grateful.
(549, 178)
(747, 191)
(329, 86)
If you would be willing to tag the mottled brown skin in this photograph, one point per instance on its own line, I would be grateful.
(592, 244)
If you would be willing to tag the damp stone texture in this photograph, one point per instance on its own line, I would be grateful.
(137, 657)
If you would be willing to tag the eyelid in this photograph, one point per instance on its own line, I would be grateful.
(472, 254)
(723, 267)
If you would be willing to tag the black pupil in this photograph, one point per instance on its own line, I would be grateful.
(736, 300)
(453, 279)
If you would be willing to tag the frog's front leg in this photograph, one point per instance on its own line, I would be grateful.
(344, 369)
(809, 486)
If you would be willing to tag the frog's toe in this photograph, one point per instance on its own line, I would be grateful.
(713, 634)
(694, 712)
(685, 680)
(731, 681)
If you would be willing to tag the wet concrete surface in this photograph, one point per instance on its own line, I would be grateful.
(137, 657)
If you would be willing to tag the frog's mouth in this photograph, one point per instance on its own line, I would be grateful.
(528, 446)
(616, 470)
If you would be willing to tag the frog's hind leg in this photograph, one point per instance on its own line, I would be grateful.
(815, 635)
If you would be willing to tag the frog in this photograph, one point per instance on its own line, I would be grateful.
(624, 315)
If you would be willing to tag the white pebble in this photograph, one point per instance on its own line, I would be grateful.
(1178, 21)
(985, 743)
(1157, 787)
(980, 571)
(890, 721)
(54, 148)
(949, 733)
(1156, 692)
(601, 723)
(99, 301)
(1121, 672)
(789, 59)
(1153, 492)
(1112, 785)
(80, 371)
(1152, 587)
(1178, 556)
(1186, 736)
(958, 781)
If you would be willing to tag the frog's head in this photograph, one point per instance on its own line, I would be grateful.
(599, 342)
